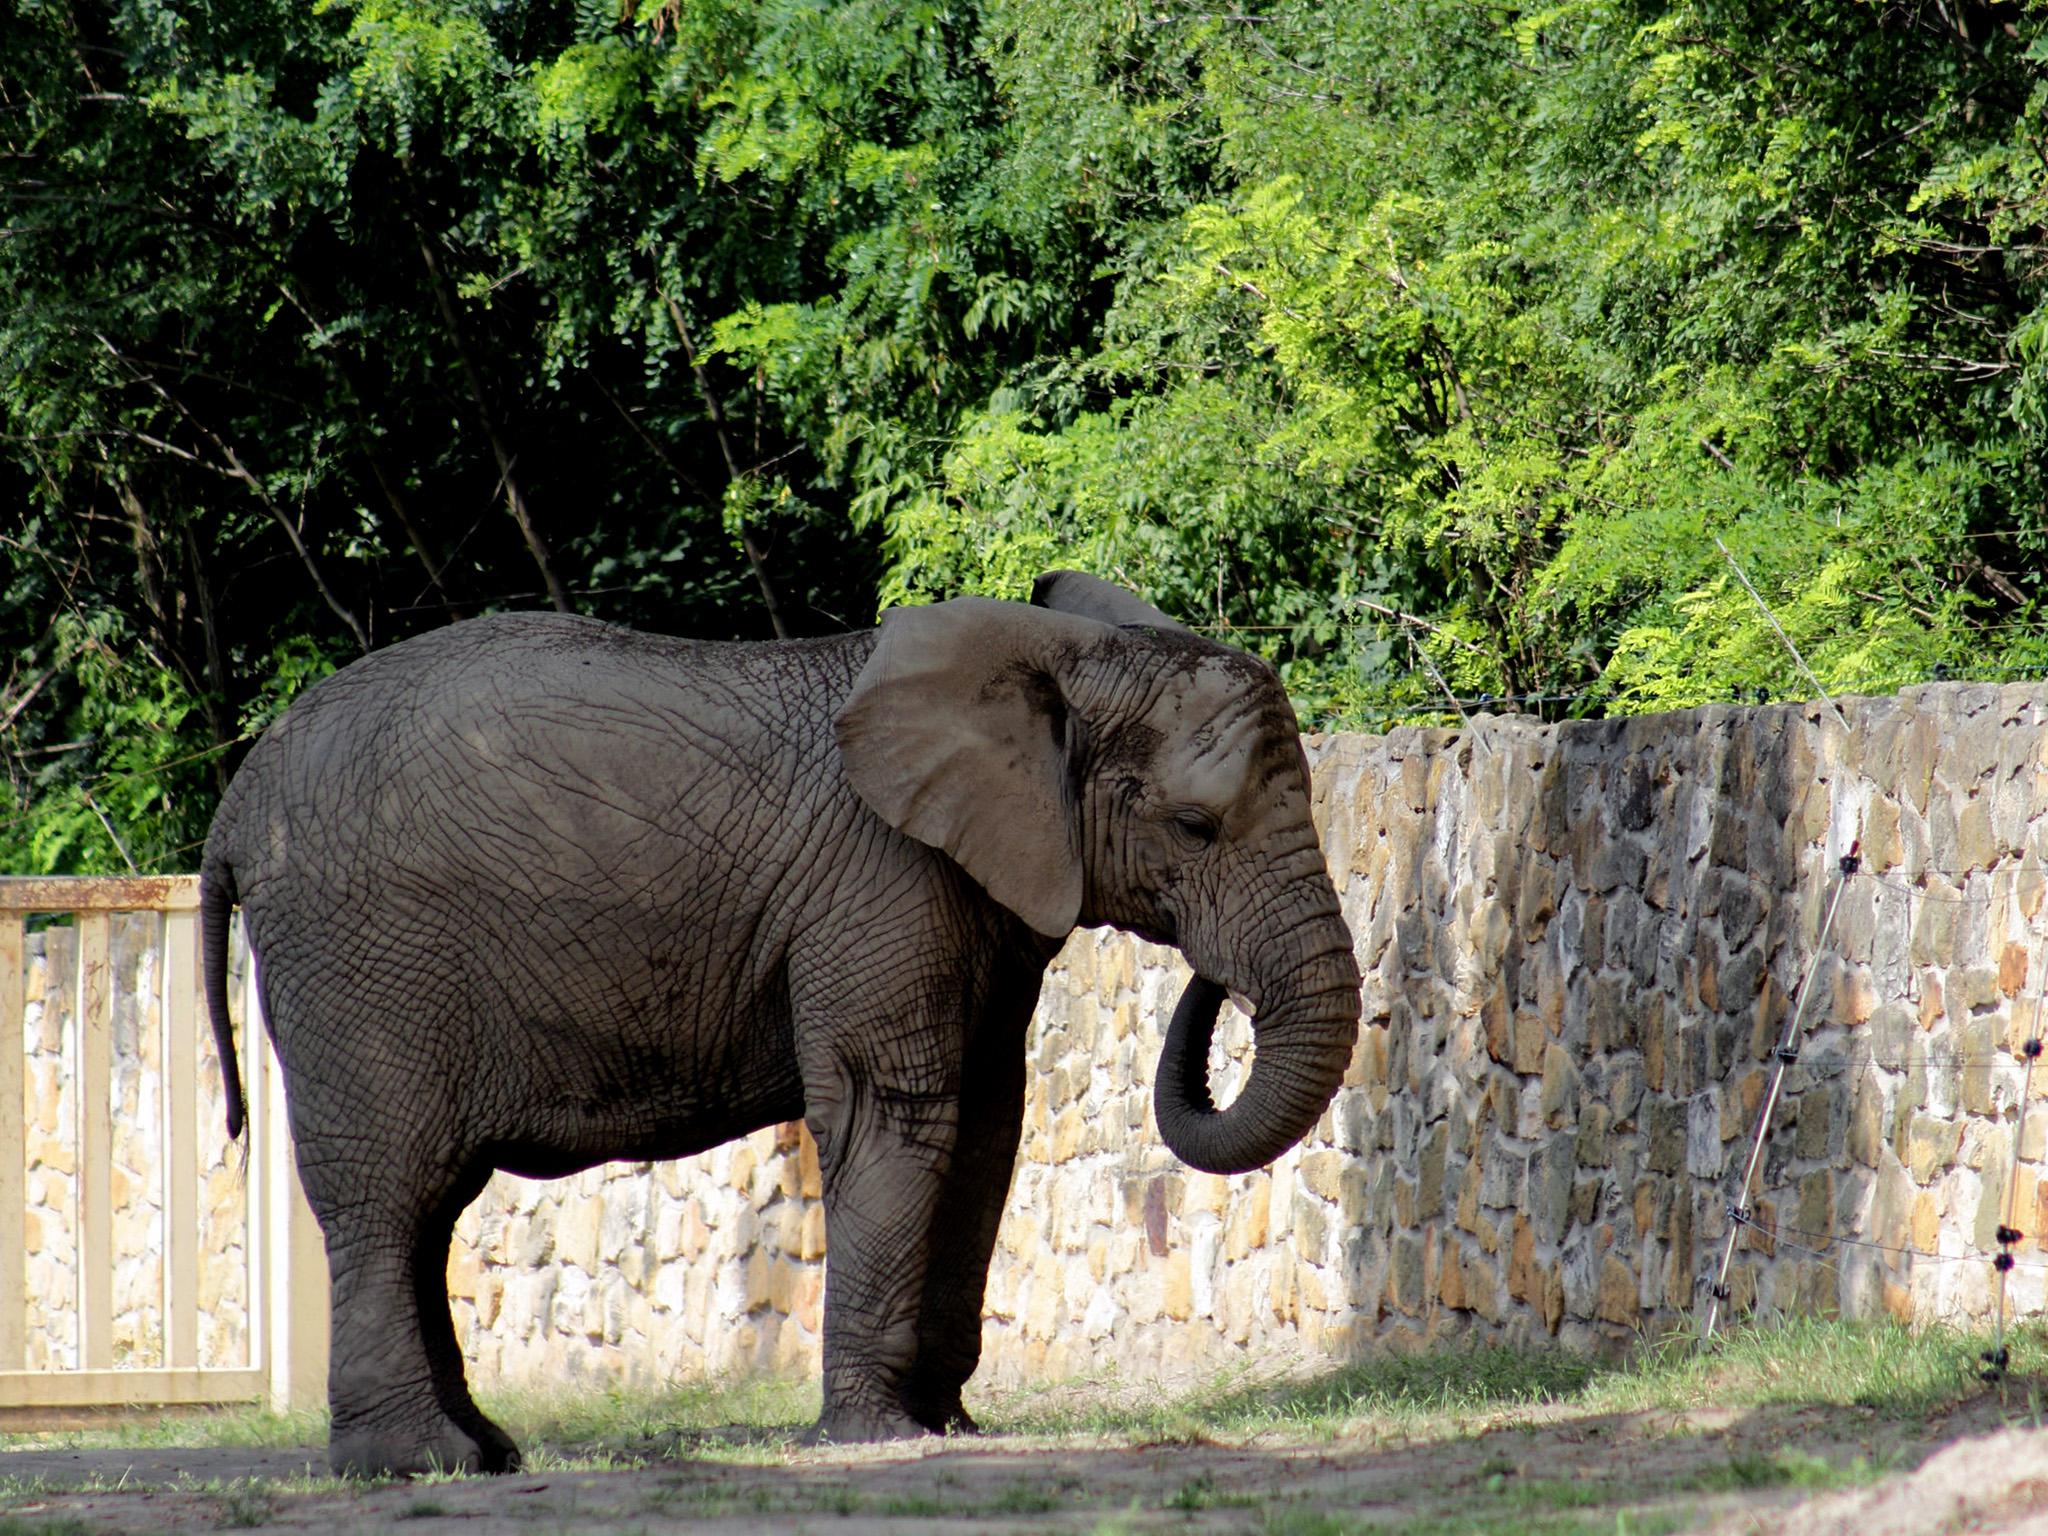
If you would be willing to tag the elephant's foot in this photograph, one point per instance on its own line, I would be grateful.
(854, 1425)
(370, 1452)
(944, 1416)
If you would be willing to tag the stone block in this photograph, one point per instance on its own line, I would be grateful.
(1406, 1280)
(1933, 941)
(1550, 1189)
(1429, 1192)
(1665, 1122)
(2012, 970)
(1585, 1201)
(1558, 1102)
(1311, 1228)
(1815, 1121)
(1704, 1149)
(1590, 1147)
(1617, 1301)
(1929, 1146)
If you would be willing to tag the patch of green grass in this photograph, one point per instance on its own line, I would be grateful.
(1785, 1468)
(1024, 1497)
(605, 1426)
(246, 1425)
(20, 1525)
(1900, 1372)
(914, 1507)
(244, 1502)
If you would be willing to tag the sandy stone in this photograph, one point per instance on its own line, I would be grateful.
(1558, 1102)
(1066, 1134)
(1322, 1173)
(1177, 1301)
(1929, 1146)
(1524, 1281)
(1245, 1229)
(810, 1243)
(1617, 1302)
(2012, 969)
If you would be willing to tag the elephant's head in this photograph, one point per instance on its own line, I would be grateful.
(1089, 761)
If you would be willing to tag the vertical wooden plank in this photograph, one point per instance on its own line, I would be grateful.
(13, 1149)
(181, 1139)
(95, 1143)
(256, 1171)
(295, 1284)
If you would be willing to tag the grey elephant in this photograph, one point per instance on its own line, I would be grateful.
(533, 892)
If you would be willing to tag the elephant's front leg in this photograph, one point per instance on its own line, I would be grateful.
(884, 1155)
(970, 1210)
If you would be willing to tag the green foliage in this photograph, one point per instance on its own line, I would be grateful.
(1360, 334)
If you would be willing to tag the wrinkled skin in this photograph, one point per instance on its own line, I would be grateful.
(534, 892)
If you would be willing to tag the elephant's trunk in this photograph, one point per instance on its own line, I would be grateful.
(1303, 1034)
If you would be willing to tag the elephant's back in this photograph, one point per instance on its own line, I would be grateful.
(543, 750)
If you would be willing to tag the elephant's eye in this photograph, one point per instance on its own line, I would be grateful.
(1197, 826)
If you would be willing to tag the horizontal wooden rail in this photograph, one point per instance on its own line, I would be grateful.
(106, 1389)
(97, 893)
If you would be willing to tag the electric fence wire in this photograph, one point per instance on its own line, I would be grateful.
(1742, 1215)
(1954, 898)
(1786, 1054)
(2008, 1234)
(1807, 1241)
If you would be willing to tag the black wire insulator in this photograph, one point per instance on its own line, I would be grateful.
(1851, 863)
(1739, 1214)
(2031, 1049)
(2007, 1236)
(1720, 1292)
(1998, 1359)
(2002, 1263)
(1787, 1054)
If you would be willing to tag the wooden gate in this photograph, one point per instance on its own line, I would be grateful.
(148, 1013)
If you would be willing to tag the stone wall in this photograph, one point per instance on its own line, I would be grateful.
(137, 1179)
(1580, 942)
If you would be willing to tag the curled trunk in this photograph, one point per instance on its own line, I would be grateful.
(1303, 1035)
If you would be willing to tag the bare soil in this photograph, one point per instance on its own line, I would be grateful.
(1979, 1467)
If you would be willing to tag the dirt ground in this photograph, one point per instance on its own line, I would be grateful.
(1982, 1467)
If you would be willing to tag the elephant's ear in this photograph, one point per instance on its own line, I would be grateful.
(1093, 598)
(956, 733)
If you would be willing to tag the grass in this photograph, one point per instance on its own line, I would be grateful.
(609, 1426)
(149, 1428)
(1896, 1371)
(1893, 1370)
(1447, 1398)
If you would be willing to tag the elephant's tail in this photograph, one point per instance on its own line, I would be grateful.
(217, 897)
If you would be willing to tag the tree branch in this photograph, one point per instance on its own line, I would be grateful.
(236, 470)
(732, 466)
(515, 497)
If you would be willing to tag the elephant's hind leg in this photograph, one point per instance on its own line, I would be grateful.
(395, 1386)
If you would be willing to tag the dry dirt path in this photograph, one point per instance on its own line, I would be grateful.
(1536, 1469)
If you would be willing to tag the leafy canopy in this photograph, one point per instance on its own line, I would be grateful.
(1417, 346)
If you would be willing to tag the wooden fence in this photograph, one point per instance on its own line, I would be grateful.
(284, 1347)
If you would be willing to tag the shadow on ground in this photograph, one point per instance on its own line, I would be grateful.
(1487, 1467)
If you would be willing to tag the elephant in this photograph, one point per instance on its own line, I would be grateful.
(533, 892)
